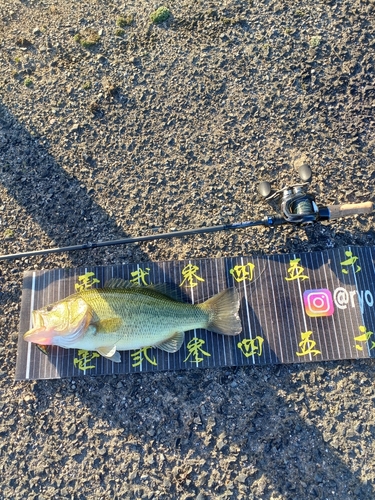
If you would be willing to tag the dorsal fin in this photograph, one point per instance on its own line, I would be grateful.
(120, 283)
(167, 289)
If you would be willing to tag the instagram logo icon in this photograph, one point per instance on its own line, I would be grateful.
(318, 302)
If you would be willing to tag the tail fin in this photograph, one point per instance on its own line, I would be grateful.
(223, 312)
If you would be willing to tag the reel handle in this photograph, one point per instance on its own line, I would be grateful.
(337, 211)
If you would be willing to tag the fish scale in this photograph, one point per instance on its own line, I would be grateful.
(135, 310)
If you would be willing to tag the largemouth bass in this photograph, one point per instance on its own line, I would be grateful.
(122, 317)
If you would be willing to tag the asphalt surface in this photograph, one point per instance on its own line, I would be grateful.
(166, 126)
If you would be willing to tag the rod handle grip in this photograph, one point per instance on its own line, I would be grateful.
(337, 211)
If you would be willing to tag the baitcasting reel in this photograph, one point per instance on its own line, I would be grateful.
(297, 206)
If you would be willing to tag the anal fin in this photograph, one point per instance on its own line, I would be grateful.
(172, 344)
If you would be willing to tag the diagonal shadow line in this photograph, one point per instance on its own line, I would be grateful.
(275, 426)
(57, 201)
(298, 459)
(59, 204)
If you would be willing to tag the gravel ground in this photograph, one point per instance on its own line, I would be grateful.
(108, 131)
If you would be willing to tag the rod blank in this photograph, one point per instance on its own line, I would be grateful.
(325, 213)
(269, 221)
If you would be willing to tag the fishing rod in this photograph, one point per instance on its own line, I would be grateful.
(296, 205)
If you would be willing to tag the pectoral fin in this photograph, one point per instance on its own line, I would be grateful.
(108, 325)
(173, 344)
(110, 353)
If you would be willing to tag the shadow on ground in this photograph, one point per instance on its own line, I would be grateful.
(58, 202)
(259, 431)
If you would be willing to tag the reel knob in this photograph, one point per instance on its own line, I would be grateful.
(264, 189)
(305, 173)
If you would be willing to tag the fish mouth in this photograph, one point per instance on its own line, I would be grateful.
(39, 334)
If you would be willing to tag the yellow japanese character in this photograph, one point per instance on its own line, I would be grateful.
(195, 348)
(189, 273)
(307, 345)
(137, 356)
(240, 273)
(85, 357)
(296, 271)
(139, 276)
(352, 259)
(86, 281)
(365, 337)
(249, 347)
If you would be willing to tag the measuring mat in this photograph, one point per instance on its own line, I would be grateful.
(294, 308)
